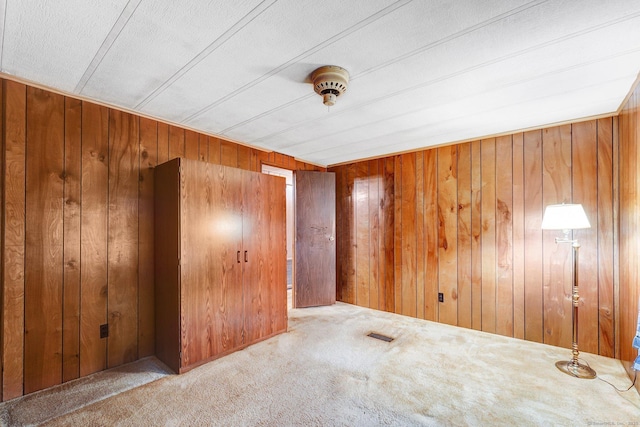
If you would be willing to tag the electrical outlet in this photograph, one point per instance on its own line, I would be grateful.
(440, 297)
(104, 330)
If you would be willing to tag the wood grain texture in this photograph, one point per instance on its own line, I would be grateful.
(244, 158)
(315, 260)
(122, 269)
(556, 188)
(504, 236)
(464, 236)
(362, 234)
(148, 160)
(163, 142)
(256, 265)
(420, 240)
(431, 235)
(387, 295)
(228, 154)
(533, 209)
(448, 233)
(13, 232)
(606, 244)
(489, 223)
(264, 266)
(214, 150)
(629, 154)
(93, 245)
(342, 230)
(276, 255)
(203, 148)
(518, 236)
(408, 288)
(374, 234)
(71, 224)
(191, 145)
(176, 142)
(397, 234)
(349, 290)
(44, 240)
(584, 165)
(476, 237)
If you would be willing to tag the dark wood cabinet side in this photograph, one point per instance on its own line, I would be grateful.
(166, 250)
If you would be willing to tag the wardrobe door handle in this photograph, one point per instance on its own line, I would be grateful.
(246, 257)
(238, 257)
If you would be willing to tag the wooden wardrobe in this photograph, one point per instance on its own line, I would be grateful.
(220, 260)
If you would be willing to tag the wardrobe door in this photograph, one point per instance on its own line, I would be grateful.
(211, 238)
(264, 256)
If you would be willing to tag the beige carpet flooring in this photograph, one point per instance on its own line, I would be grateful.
(326, 372)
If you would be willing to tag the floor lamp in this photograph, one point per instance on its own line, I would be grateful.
(567, 217)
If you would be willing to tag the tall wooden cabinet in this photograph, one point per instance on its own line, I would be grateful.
(220, 260)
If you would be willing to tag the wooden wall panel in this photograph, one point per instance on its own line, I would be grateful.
(374, 234)
(419, 235)
(71, 224)
(464, 236)
(556, 188)
(341, 230)
(448, 233)
(533, 210)
(244, 158)
(163, 142)
(191, 145)
(584, 161)
(228, 154)
(465, 220)
(93, 237)
(349, 290)
(489, 223)
(518, 236)
(148, 160)
(214, 150)
(408, 236)
(13, 232)
(629, 287)
(397, 235)
(387, 295)
(122, 273)
(504, 235)
(476, 237)
(606, 244)
(362, 234)
(431, 309)
(176, 142)
(44, 240)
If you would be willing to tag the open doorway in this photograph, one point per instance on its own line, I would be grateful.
(288, 176)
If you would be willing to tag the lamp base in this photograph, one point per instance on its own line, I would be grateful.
(576, 369)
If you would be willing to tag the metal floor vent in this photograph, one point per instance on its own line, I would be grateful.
(380, 337)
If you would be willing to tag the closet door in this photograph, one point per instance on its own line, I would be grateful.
(211, 240)
(264, 256)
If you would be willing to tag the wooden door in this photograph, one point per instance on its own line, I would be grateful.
(264, 256)
(210, 262)
(315, 255)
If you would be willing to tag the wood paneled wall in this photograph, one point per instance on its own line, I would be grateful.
(77, 231)
(464, 220)
(629, 224)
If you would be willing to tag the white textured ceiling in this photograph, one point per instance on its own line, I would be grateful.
(423, 72)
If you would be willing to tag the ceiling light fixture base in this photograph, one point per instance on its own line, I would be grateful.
(330, 82)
